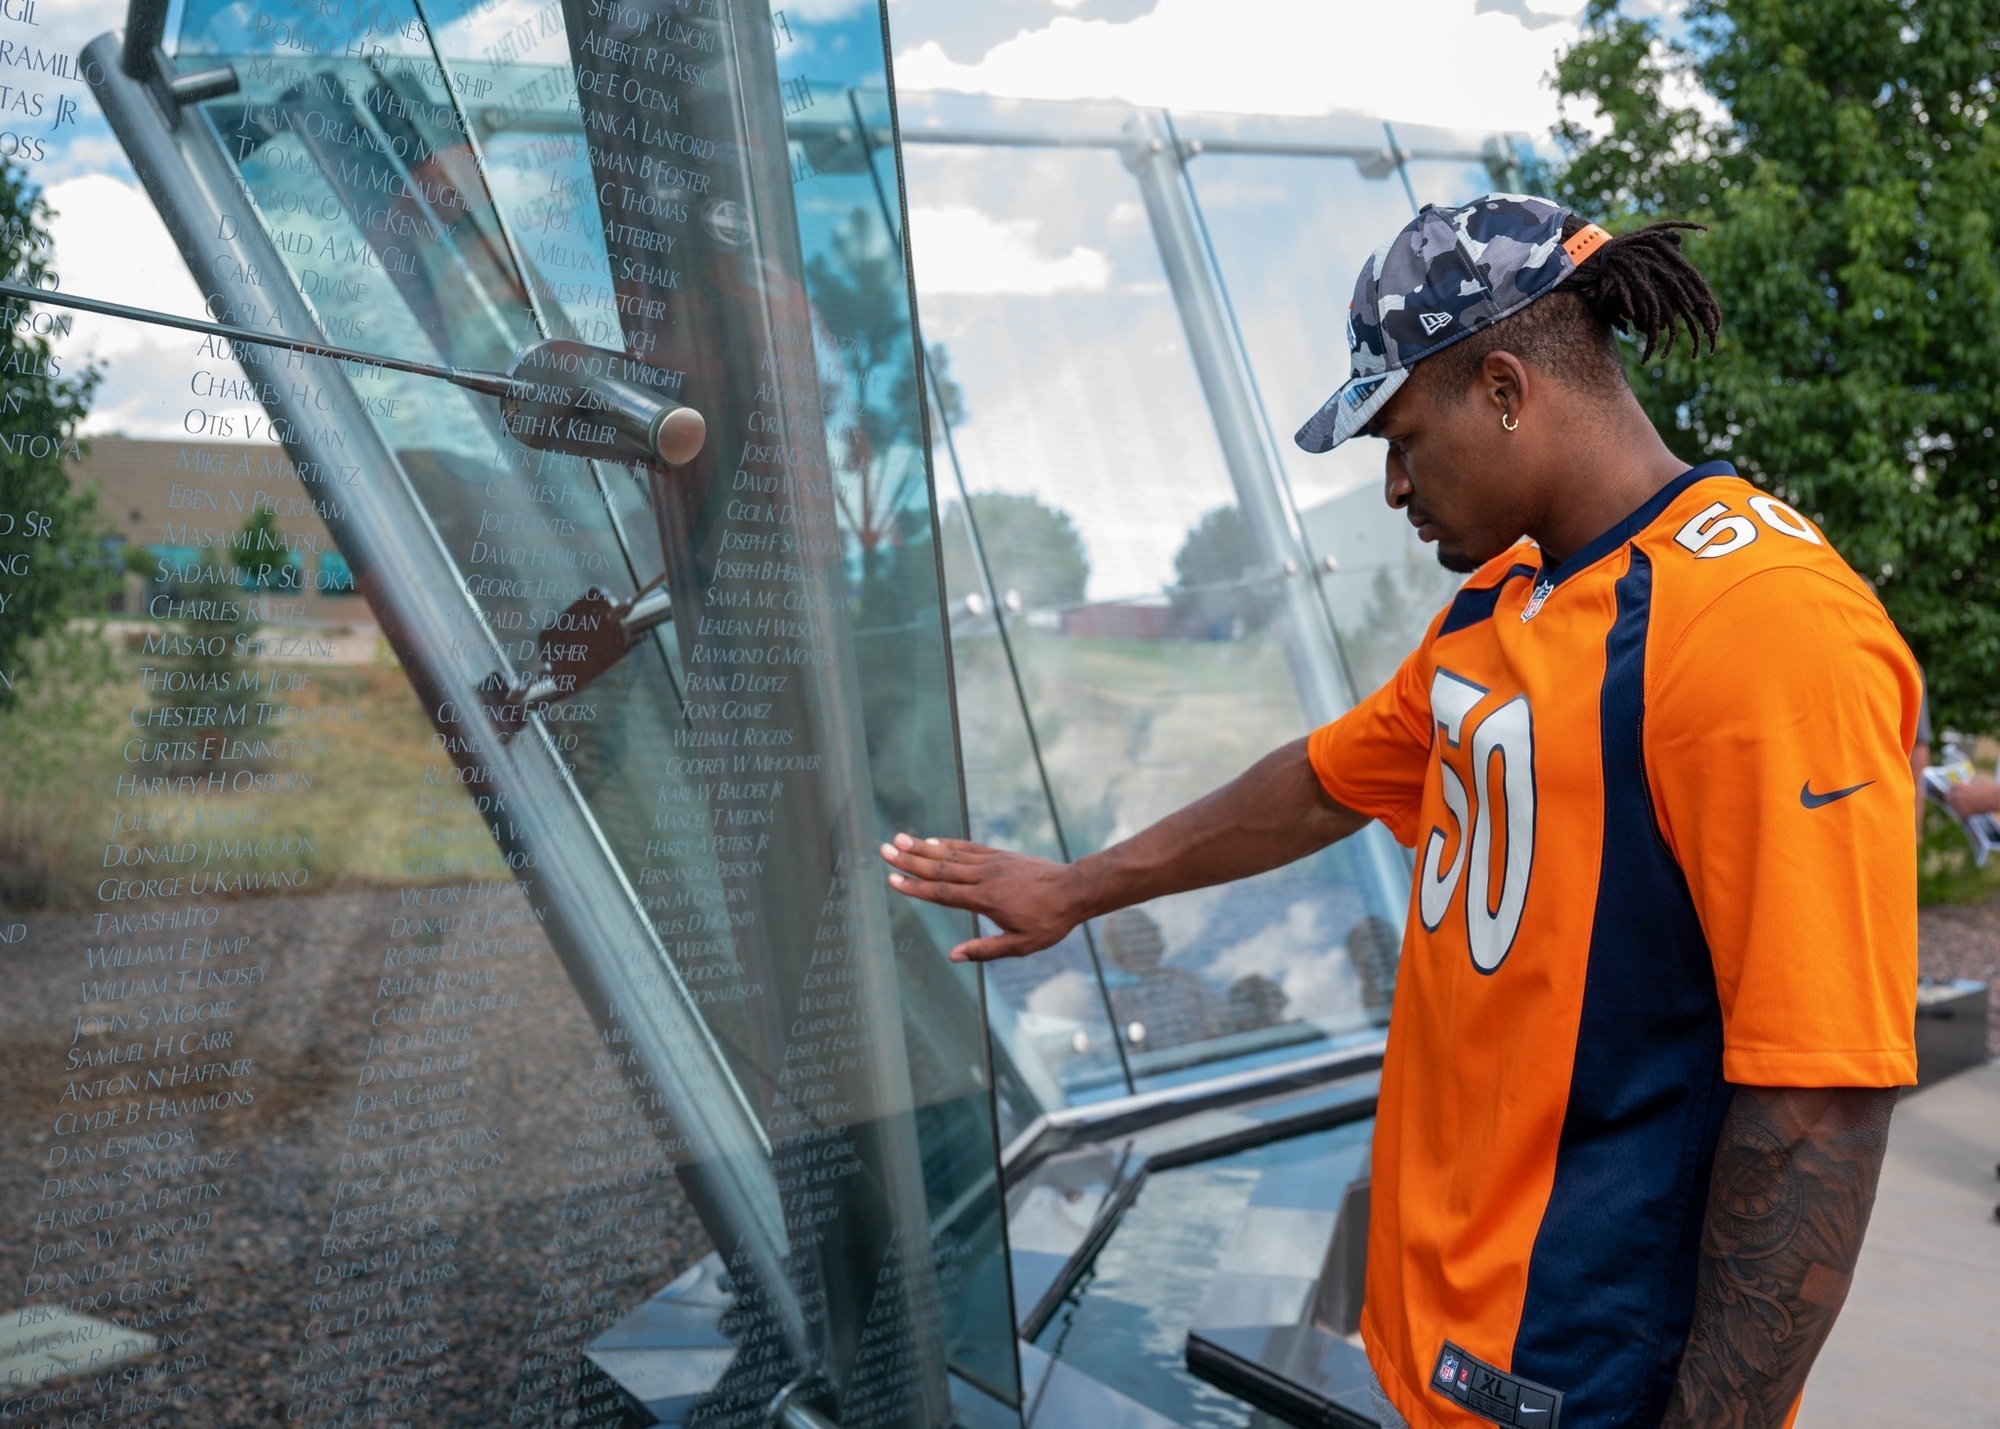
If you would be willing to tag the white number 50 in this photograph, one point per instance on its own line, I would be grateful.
(1716, 531)
(1509, 733)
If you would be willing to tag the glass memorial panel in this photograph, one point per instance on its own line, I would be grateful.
(1038, 1054)
(451, 689)
(1104, 596)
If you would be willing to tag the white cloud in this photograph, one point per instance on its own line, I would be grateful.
(819, 11)
(517, 32)
(961, 249)
(1316, 975)
(66, 28)
(109, 243)
(1076, 402)
(1296, 57)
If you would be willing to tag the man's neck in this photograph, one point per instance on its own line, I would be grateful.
(1611, 467)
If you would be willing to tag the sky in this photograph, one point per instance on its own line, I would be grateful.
(1038, 272)
(1479, 63)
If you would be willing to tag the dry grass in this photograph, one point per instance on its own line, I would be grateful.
(65, 828)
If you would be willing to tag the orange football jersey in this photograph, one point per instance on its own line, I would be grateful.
(1660, 799)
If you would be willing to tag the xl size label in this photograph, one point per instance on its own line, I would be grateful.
(1492, 1394)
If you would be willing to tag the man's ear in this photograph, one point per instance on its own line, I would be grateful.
(1505, 384)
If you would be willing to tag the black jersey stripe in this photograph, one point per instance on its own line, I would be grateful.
(1649, 512)
(1611, 1281)
(1469, 607)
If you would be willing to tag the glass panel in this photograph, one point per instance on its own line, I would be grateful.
(1230, 1242)
(450, 974)
(1289, 235)
(1446, 181)
(1065, 1035)
(1141, 625)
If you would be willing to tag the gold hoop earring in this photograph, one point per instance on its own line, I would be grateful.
(1509, 424)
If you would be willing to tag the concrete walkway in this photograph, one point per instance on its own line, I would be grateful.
(1919, 1342)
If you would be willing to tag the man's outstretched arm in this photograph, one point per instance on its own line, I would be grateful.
(1794, 1181)
(1274, 813)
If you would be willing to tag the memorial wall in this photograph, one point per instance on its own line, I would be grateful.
(469, 608)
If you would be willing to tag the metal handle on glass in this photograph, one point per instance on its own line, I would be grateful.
(594, 414)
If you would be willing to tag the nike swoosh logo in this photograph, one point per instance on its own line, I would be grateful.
(1816, 801)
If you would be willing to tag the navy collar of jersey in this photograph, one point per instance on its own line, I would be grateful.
(1594, 551)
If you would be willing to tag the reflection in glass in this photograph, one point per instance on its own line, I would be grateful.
(1289, 235)
(1125, 636)
(490, 971)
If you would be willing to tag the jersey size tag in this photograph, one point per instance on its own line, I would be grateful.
(1503, 1398)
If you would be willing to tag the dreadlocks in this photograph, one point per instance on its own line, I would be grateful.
(1640, 283)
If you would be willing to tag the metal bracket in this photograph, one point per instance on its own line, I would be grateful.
(145, 59)
(584, 642)
(581, 408)
(591, 402)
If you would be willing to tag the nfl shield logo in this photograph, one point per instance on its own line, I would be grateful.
(1447, 1368)
(1535, 601)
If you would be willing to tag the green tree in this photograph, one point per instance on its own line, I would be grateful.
(1851, 182)
(875, 441)
(1034, 550)
(875, 418)
(1215, 571)
(54, 724)
(52, 562)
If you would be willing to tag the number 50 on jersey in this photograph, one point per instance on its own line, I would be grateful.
(1488, 772)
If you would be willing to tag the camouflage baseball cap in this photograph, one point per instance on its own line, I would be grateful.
(1449, 273)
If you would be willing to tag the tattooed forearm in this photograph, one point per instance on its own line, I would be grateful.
(1794, 1181)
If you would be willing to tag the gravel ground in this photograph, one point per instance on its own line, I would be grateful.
(489, 1327)
(1964, 941)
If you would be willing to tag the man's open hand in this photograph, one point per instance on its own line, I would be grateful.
(1034, 901)
(1274, 812)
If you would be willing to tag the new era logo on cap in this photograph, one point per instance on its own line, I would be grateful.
(1448, 274)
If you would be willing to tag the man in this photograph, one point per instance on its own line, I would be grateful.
(1658, 980)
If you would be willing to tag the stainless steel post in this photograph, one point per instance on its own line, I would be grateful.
(1154, 158)
(1305, 626)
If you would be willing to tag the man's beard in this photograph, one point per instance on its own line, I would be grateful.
(1457, 562)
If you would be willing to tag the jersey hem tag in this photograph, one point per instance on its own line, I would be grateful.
(1494, 1395)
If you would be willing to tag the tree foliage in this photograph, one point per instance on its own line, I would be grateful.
(52, 562)
(1032, 549)
(873, 404)
(875, 415)
(1841, 154)
(1215, 571)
